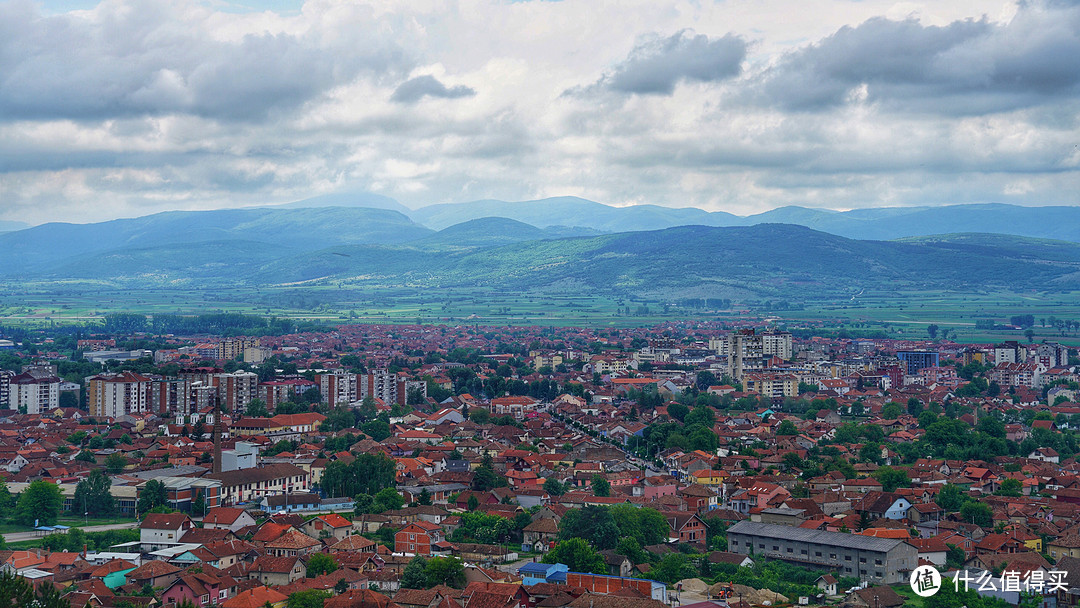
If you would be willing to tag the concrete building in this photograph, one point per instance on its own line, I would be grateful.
(877, 560)
(917, 359)
(390, 388)
(338, 386)
(233, 348)
(236, 389)
(34, 391)
(5, 388)
(244, 456)
(776, 344)
(745, 353)
(116, 395)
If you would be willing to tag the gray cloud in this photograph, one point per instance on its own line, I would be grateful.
(966, 68)
(656, 66)
(151, 59)
(415, 89)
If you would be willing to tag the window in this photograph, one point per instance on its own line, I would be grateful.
(790, 550)
(862, 560)
(877, 562)
(774, 547)
(847, 558)
(817, 553)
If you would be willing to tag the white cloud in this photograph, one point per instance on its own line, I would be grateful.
(134, 106)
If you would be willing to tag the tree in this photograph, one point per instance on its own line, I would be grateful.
(17, 591)
(787, 427)
(977, 513)
(932, 330)
(387, 499)
(93, 495)
(40, 502)
(424, 498)
(578, 555)
(951, 497)
(447, 571)
(1030, 335)
(673, 568)
(678, 411)
(153, 495)
(321, 563)
(415, 576)
(7, 501)
(312, 598)
(592, 523)
(600, 485)
(1010, 487)
(891, 479)
(256, 408)
(473, 503)
(554, 486)
(116, 462)
(199, 504)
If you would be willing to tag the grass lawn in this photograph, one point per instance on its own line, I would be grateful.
(910, 599)
(67, 520)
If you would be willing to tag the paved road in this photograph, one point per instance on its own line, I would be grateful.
(14, 537)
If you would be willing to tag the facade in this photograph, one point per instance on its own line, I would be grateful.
(116, 395)
(235, 390)
(776, 386)
(233, 348)
(745, 353)
(390, 388)
(776, 344)
(337, 386)
(877, 560)
(159, 530)
(246, 485)
(35, 392)
(918, 359)
(417, 538)
(5, 388)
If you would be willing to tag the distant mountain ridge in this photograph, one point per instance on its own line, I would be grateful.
(771, 260)
(884, 223)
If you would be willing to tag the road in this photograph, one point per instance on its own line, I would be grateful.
(14, 537)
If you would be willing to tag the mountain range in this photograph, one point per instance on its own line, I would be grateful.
(563, 244)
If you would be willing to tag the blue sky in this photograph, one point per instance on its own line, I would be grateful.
(127, 107)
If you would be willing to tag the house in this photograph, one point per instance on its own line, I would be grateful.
(618, 565)
(199, 588)
(328, 526)
(417, 538)
(686, 527)
(229, 518)
(827, 583)
(156, 573)
(257, 597)
(541, 533)
(277, 570)
(160, 530)
(292, 542)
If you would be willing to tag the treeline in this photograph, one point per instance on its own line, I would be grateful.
(224, 324)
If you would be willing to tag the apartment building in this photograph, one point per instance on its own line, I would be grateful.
(115, 395)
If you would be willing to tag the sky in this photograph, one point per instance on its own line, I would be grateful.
(128, 107)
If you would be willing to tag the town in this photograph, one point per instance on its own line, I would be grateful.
(437, 466)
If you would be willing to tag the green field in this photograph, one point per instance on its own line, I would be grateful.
(902, 314)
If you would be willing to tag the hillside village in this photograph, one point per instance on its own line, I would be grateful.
(535, 467)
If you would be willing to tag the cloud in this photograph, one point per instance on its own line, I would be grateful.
(654, 67)
(156, 59)
(415, 89)
(967, 67)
